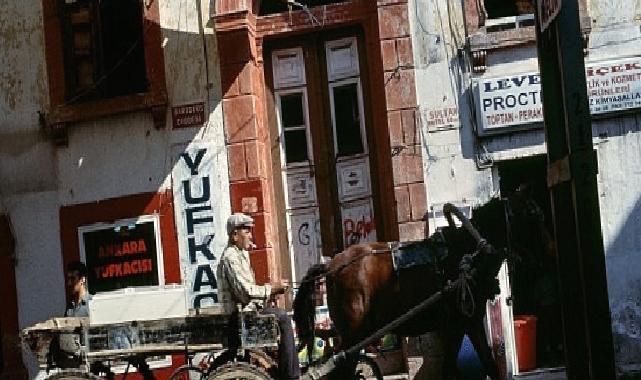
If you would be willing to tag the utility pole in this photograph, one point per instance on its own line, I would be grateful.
(572, 170)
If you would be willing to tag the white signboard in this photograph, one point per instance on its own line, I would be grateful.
(515, 100)
(200, 211)
(548, 10)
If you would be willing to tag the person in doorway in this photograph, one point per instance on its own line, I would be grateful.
(77, 293)
(237, 285)
(64, 350)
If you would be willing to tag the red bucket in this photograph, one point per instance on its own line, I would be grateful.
(525, 337)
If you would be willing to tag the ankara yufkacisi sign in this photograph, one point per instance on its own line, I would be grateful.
(119, 257)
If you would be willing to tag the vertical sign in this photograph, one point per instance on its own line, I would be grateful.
(548, 9)
(199, 212)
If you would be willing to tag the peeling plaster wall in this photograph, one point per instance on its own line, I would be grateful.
(442, 80)
(620, 199)
(437, 37)
(111, 157)
(26, 157)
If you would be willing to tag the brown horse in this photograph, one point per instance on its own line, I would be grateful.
(364, 292)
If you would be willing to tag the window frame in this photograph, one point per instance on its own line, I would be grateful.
(154, 99)
(126, 222)
(361, 109)
(479, 40)
(278, 94)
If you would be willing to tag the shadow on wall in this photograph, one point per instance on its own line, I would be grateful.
(624, 267)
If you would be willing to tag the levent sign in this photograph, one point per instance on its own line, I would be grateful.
(509, 101)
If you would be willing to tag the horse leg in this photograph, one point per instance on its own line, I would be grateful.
(452, 337)
(479, 340)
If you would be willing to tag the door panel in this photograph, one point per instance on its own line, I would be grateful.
(350, 142)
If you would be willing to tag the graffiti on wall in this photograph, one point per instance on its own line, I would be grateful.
(358, 223)
(305, 240)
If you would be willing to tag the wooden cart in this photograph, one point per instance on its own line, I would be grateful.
(235, 346)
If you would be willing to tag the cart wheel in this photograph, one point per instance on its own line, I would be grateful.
(73, 374)
(187, 372)
(239, 370)
(367, 369)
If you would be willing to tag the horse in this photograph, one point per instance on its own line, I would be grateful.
(364, 292)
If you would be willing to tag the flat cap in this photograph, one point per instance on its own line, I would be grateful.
(237, 220)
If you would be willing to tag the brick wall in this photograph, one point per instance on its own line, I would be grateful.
(240, 33)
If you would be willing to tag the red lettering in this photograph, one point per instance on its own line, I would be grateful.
(125, 248)
(141, 246)
(126, 268)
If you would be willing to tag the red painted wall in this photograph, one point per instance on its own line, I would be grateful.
(12, 366)
(72, 217)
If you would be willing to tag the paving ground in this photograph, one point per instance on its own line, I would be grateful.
(547, 374)
(553, 374)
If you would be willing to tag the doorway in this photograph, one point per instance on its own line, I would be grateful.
(535, 296)
(324, 151)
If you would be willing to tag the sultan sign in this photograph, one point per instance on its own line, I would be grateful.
(515, 100)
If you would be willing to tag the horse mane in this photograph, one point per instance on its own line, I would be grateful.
(489, 219)
(304, 305)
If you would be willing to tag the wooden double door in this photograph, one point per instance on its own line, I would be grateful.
(321, 129)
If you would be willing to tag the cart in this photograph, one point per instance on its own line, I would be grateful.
(235, 346)
(239, 352)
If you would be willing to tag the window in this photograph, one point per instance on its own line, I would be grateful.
(268, 7)
(103, 57)
(503, 8)
(346, 111)
(103, 46)
(294, 127)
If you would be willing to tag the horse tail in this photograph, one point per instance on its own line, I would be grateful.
(304, 306)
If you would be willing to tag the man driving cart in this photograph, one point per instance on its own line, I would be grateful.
(237, 285)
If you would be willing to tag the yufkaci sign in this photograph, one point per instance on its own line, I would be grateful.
(515, 100)
(548, 10)
(200, 216)
(122, 255)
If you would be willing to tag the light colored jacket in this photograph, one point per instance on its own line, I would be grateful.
(236, 281)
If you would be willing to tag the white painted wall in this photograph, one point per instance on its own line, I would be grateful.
(112, 157)
(442, 79)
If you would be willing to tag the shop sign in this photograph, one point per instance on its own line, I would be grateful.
(445, 117)
(515, 100)
(188, 115)
(200, 229)
(547, 10)
(122, 254)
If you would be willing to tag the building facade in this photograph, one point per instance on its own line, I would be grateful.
(131, 130)
(479, 100)
(128, 134)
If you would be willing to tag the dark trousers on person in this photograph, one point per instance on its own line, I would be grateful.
(287, 356)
